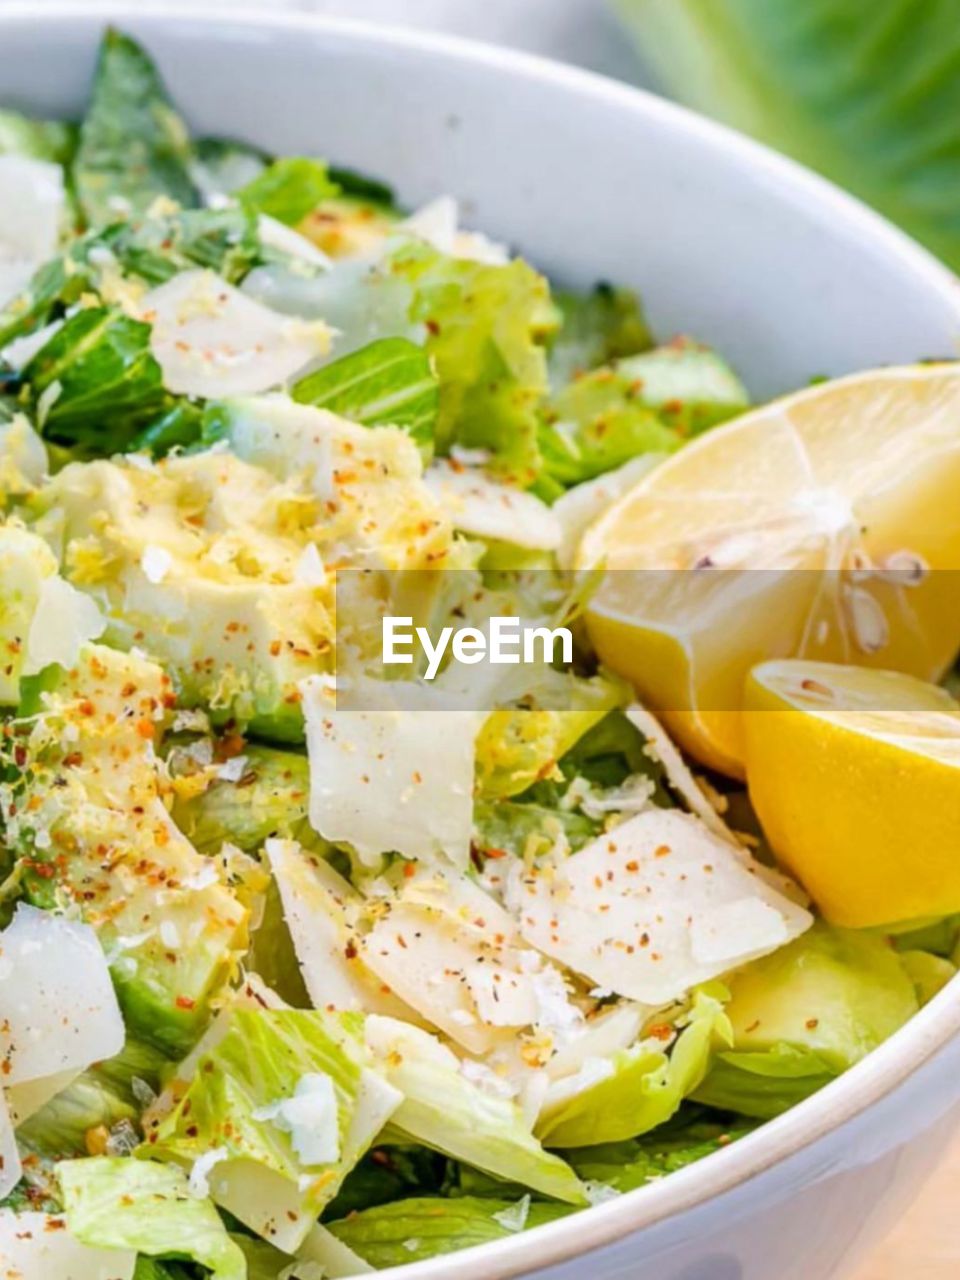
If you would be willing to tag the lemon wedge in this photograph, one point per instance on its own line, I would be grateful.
(855, 777)
(816, 526)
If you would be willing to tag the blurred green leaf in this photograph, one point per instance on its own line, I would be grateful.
(133, 144)
(869, 95)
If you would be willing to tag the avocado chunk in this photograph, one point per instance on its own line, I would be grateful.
(270, 797)
(804, 1015)
(222, 567)
(25, 561)
(86, 812)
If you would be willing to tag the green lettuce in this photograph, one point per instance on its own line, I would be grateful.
(647, 403)
(157, 248)
(96, 381)
(420, 1228)
(133, 144)
(390, 382)
(486, 328)
(506, 826)
(51, 140)
(517, 746)
(643, 1087)
(115, 1203)
(288, 189)
(865, 95)
(624, 1166)
(442, 1109)
(231, 1105)
(596, 328)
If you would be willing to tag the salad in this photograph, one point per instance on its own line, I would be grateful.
(292, 986)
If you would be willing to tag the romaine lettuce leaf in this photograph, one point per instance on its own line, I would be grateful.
(22, 135)
(636, 1089)
(505, 826)
(486, 327)
(865, 96)
(390, 382)
(96, 380)
(412, 1230)
(155, 249)
(115, 1203)
(518, 746)
(595, 328)
(442, 1109)
(249, 1103)
(624, 1166)
(288, 189)
(133, 144)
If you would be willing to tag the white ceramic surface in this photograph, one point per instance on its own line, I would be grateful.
(790, 278)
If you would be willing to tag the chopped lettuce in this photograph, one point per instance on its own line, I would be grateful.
(133, 145)
(596, 328)
(283, 1143)
(413, 1230)
(643, 404)
(519, 746)
(389, 382)
(117, 1203)
(22, 135)
(96, 381)
(624, 1166)
(486, 326)
(442, 1109)
(636, 1089)
(288, 189)
(155, 249)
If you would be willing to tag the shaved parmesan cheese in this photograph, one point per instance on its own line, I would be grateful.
(156, 563)
(616, 1028)
(384, 780)
(198, 1183)
(322, 911)
(27, 1097)
(452, 953)
(212, 340)
(38, 1246)
(514, 1218)
(323, 1250)
(276, 235)
(10, 1168)
(584, 503)
(58, 1009)
(63, 622)
(654, 907)
(23, 457)
(310, 1118)
(31, 209)
(438, 224)
(486, 508)
(662, 749)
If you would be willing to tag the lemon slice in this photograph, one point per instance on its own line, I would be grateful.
(855, 777)
(842, 502)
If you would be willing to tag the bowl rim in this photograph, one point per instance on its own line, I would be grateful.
(930, 1030)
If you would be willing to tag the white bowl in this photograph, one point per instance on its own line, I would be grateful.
(790, 278)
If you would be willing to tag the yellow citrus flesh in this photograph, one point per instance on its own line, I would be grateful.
(855, 777)
(846, 496)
